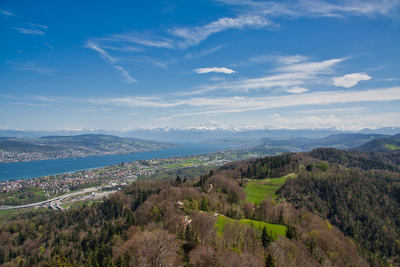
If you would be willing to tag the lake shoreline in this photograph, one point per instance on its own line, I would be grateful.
(36, 169)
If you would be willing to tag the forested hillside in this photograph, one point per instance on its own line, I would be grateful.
(362, 201)
(388, 145)
(331, 214)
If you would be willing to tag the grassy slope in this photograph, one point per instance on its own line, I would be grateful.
(392, 147)
(258, 190)
(278, 229)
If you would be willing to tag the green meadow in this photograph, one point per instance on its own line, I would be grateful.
(276, 228)
(185, 163)
(392, 147)
(258, 190)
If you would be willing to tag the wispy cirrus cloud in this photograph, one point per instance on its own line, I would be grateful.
(31, 67)
(38, 25)
(33, 30)
(284, 60)
(196, 55)
(350, 80)
(127, 39)
(103, 54)
(193, 36)
(240, 103)
(307, 8)
(311, 67)
(180, 37)
(44, 98)
(214, 69)
(6, 13)
(29, 104)
(125, 74)
(30, 31)
(143, 60)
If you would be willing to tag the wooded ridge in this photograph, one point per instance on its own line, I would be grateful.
(338, 208)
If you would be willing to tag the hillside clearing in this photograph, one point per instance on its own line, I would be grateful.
(258, 190)
(276, 228)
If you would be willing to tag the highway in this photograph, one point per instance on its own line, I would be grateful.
(54, 203)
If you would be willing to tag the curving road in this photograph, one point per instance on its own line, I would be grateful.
(54, 202)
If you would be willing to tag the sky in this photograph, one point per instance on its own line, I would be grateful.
(117, 65)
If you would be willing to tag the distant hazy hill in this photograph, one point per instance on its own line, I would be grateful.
(296, 144)
(383, 130)
(209, 133)
(387, 144)
(51, 147)
(23, 146)
(94, 141)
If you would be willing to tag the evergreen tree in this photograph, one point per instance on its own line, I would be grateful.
(291, 232)
(204, 204)
(270, 260)
(280, 219)
(121, 262)
(266, 238)
(178, 180)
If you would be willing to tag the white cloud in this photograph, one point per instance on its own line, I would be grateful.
(293, 75)
(350, 80)
(275, 116)
(215, 69)
(29, 31)
(297, 90)
(193, 36)
(6, 13)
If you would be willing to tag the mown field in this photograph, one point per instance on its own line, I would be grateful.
(185, 163)
(258, 190)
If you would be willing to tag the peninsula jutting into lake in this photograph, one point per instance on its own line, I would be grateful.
(59, 147)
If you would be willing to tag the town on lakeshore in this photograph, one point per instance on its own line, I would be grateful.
(115, 176)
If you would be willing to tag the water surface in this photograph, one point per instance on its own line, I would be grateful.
(33, 169)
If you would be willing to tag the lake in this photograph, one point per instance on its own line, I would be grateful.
(33, 169)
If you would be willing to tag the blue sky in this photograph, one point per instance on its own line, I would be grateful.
(116, 65)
